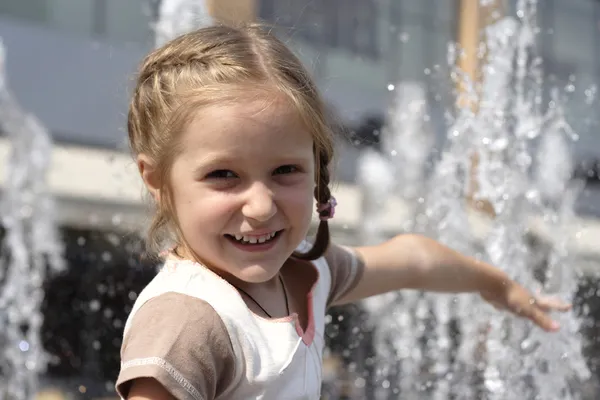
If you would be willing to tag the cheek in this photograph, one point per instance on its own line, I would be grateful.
(202, 210)
(298, 201)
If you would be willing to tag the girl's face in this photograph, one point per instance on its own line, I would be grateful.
(242, 187)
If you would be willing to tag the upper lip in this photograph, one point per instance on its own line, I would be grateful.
(256, 233)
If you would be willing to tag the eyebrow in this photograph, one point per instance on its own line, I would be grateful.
(203, 164)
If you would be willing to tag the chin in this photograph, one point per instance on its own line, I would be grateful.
(257, 273)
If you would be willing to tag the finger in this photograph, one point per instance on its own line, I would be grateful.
(552, 304)
(540, 318)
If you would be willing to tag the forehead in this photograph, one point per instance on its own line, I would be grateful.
(272, 123)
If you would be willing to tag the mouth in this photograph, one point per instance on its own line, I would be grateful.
(254, 241)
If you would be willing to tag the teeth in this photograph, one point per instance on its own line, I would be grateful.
(255, 239)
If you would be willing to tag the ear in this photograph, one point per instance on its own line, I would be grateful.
(150, 175)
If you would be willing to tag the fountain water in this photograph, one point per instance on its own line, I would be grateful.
(176, 17)
(473, 352)
(30, 248)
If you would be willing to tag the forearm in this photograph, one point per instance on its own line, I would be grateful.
(441, 269)
(417, 262)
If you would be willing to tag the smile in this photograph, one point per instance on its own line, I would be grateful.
(244, 239)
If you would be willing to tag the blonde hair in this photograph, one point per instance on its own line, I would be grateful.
(206, 66)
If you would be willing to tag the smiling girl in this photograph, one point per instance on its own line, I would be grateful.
(230, 138)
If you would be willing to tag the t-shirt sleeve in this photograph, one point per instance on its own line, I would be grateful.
(346, 268)
(181, 342)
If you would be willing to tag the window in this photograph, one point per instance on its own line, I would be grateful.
(33, 10)
(357, 28)
(350, 25)
(113, 20)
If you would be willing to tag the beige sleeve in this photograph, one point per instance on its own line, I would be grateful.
(181, 342)
(346, 268)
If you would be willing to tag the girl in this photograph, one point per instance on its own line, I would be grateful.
(231, 140)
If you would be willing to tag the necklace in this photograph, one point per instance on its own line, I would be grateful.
(287, 306)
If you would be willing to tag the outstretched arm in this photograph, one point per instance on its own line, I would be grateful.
(417, 262)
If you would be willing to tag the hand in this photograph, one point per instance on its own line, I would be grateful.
(519, 301)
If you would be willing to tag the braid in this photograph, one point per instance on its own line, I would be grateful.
(322, 195)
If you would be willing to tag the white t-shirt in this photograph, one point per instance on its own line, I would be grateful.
(192, 331)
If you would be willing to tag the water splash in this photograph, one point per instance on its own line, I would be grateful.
(176, 17)
(31, 247)
(464, 349)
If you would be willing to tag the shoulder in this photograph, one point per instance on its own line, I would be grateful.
(175, 308)
(178, 276)
(181, 342)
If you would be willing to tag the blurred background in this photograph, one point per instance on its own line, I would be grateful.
(71, 63)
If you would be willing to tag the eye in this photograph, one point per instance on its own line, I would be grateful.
(221, 174)
(286, 169)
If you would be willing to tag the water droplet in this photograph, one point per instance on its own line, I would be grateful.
(117, 219)
(391, 87)
(94, 305)
(31, 365)
(393, 153)
(404, 37)
(106, 256)
(590, 94)
(23, 346)
(532, 194)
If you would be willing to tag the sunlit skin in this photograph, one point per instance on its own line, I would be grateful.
(245, 168)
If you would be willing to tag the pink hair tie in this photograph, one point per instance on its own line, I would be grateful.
(327, 210)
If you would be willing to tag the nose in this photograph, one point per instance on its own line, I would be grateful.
(259, 204)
